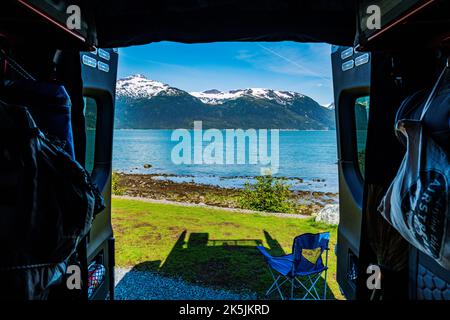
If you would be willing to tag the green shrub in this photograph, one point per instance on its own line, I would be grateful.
(267, 194)
(115, 189)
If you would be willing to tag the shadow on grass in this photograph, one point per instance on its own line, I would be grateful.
(234, 265)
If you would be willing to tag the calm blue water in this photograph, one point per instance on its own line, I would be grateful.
(308, 155)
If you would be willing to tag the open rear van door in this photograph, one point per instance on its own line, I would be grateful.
(99, 72)
(351, 81)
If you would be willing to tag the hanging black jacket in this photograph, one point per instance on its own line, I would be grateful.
(47, 203)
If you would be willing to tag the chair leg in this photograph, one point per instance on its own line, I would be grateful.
(311, 291)
(325, 286)
(313, 285)
(292, 289)
(308, 291)
(270, 289)
(275, 283)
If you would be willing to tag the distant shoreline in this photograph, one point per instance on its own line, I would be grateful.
(150, 186)
(190, 128)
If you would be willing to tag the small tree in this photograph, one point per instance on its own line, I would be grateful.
(267, 194)
(115, 189)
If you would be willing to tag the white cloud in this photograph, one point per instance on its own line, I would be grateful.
(308, 60)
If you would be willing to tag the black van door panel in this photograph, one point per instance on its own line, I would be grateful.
(99, 72)
(351, 80)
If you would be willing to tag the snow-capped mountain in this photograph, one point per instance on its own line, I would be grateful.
(138, 86)
(147, 104)
(218, 97)
(329, 106)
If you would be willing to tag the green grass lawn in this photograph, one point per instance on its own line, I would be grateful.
(215, 248)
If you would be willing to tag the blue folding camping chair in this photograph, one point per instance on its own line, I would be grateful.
(302, 268)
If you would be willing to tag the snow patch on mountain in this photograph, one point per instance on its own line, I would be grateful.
(329, 106)
(218, 97)
(138, 86)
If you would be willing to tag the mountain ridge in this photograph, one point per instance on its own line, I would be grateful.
(142, 103)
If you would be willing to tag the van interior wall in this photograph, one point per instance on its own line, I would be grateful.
(380, 243)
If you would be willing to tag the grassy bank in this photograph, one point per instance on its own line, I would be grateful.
(211, 247)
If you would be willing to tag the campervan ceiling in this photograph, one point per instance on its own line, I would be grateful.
(383, 57)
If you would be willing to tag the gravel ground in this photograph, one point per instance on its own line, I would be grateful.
(143, 285)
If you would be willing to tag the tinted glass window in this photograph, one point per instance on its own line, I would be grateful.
(362, 120)
(90, 113)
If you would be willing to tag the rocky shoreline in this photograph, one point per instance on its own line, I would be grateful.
(147, 186)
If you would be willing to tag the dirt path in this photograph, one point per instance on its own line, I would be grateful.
(202, 205)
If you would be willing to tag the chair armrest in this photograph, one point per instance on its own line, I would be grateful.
(264, 252)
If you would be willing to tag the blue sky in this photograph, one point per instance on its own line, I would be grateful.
(300, 67)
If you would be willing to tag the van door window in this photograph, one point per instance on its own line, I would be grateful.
(361, 122)
(90, 114)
